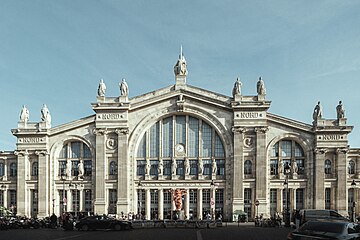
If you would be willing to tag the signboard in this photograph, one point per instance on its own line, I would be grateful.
(257, 203)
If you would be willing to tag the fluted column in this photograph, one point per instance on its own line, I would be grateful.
(238, 171)
(69, 206)
(43, 183)
(81, 200)
(187, 203)
(22, 158)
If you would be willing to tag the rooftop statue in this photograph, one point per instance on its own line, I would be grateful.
(24, 114)
(317, 112)
(237, 87)
(261, 90)
(340, 110)
(101, 89)
(124, 88)
(180, 67)
(45, 114)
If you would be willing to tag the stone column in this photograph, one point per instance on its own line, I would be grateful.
(69, 204)
(357, 166)
(187, 203)
(22, 158)
(279, 200)
(43, 184)
(81, 200)
(199, 204)
(238, 196)
(261, 169)
(99, 204)
(161, 204)
(147, 204)
(123, 171)
(5, 192)
(341, 181)
(292, 199)
(319, 190)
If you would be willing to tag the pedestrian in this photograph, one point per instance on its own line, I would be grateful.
(297, 219)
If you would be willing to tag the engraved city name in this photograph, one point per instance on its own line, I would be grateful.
(110, 116)
(250, 115)
(31, 140)
(332, 137)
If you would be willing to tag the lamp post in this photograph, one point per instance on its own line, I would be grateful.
(286, 183)
(353, 185)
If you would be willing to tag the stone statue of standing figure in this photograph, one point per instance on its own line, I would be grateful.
(237, 87)
(45, 114)
(317, 111)
(124, 88)
(340, 111)
(101, 88)
(260, 87)
(24, 114)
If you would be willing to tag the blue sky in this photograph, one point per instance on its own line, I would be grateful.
(56, 52)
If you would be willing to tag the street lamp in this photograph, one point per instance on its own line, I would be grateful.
(286, 183)
(353, 185)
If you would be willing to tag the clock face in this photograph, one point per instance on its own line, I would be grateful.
(179, 148)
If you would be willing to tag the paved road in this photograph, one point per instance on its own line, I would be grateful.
(224, 233)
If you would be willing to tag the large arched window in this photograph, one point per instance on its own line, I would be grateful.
(287, 152)
(327, 167)
(180, 137)
(248, 167)
(351, 167)
(70, 156)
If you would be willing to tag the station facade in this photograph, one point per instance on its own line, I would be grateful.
(225, 153)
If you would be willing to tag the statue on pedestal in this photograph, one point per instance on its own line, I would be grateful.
(237, 87)
(24, 114)
(317, 112)
(260, 87)
(340, 111)
(101, 89)
(124, 88)
(45, 114)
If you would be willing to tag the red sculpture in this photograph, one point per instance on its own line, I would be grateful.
(177, 198)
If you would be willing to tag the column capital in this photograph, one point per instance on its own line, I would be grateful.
(100, 131)
(342, 150)
(123, 131)
(320, 150)
(42, 152)
(261, 129)
(239, 129)
(21, 153)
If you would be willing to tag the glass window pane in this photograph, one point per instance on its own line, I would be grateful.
(275, 150)
(154, 140)
(63, 153)
(207, 167)
(206, 139)
(167, 137)
(140, 167)
(220, 163)
(285, 148)
(193, 132)
(298, 150)
(219, 149)
(154, 164)
(87, 152)
(167, 167)
(193, 167)
(75, 149)
(180, 129)
(180, 167)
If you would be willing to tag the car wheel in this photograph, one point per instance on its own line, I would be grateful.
(117, 227)
(85, 227)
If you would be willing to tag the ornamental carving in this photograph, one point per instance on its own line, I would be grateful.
(43, 152)
(261, 129)
(248, 142)
(320, 150)
(239, 129)
(111, 143)
(342, 150)
(100, 131)
(122, 131)
(21, 153)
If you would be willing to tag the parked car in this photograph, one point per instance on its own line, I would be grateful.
(326, 229)
(314, 214)
(102, 222)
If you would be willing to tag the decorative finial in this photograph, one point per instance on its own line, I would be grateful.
(180, 67)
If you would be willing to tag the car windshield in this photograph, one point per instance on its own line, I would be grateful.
(332, 227)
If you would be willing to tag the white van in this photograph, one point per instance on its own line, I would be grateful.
(313, 214)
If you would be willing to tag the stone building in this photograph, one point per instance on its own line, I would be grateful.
(225, 153)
